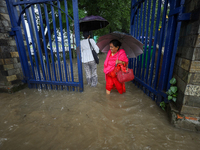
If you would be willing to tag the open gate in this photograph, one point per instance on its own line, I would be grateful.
(156, 23)
(42, 33)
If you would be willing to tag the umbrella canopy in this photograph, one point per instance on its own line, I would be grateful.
(132, 46)
(90, 23)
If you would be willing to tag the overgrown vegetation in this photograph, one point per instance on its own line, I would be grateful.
(172, 93)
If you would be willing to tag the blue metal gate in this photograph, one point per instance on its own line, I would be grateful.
(42, 33)
(156, 23)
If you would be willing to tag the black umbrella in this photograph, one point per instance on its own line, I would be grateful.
(90, 23)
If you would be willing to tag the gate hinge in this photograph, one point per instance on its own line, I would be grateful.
(194, 15)
(13, 31)
(189, 16)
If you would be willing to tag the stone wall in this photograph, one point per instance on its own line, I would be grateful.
(10, 68)
(187, 72)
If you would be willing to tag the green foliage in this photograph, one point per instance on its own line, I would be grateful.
(172, 81)
(117, 13)
(163, 105)
(172, 93)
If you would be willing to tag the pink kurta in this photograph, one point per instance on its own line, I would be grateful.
(110, 62)
(109, 65)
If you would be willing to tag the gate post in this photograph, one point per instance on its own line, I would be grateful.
(78, 48)
(10, 67)
(16, 30)
(185, 113)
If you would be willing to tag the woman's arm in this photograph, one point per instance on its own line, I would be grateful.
(120, 62)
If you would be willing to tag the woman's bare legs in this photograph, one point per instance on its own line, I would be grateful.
(107, 92)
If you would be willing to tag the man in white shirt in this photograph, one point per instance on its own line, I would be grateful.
(88, 61)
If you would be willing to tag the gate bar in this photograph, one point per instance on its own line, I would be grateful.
(160, 43)
(69, 43)
(54, 82)
(78, 48)
(144, 18)
(62, 39)
(168, 48)
(150, 41)
(178, 28)
(33, 43)
(38, 42)
(146, 39)
(45, 44)
(31, 2)
(50, 43)
(28, 46)
(56, 40)
(155, 42)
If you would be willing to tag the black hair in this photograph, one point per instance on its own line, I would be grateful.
(116, 43)
(86, 34)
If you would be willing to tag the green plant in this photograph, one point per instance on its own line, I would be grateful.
(172, 93)
(163, 105)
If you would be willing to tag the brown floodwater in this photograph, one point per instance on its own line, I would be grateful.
(34, 119)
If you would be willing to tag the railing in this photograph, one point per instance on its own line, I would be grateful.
(156, 23)
(42, 22)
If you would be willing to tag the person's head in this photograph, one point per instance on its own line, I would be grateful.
(114, 45)
(86, 34)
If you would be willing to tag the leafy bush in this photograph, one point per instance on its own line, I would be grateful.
(172, 93)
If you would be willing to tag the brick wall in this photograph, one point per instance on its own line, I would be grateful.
(187, 71)
(10, 67)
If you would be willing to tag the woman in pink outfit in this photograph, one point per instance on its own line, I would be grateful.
(115, 59)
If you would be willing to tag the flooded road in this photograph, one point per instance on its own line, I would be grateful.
(33, 119)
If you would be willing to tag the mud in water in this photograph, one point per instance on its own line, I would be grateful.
(33, 119)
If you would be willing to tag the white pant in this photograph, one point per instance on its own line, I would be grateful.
(91, 73)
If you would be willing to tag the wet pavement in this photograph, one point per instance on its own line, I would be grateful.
(61, 120)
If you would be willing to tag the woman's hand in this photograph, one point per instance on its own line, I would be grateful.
(119, 62)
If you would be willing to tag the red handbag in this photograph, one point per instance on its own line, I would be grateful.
(125, 76)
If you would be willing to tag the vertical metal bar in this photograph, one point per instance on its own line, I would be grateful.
(138, 58)
(178, 28)
(62, 39)
(155, 42)
(150, 41)
(28, 46)
(38, 41)
(144, 17)
(137, 35)
(160, 43)
(141, 10)
(134, 24)
(131, 23)
(137, 23)
(171, 30)
(134, 65)
(44, 41)
(77, 34)
(146, 39)
(50, 42)
(69, 43)
(33, 43)
(56, 40)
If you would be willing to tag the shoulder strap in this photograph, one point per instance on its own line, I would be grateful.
(90, 45)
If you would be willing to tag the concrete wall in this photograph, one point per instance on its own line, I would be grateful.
(187, 72)
(10, 68)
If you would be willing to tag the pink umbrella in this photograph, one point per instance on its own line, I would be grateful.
(132, 46)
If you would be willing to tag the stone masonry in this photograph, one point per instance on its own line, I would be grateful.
(10, 68)
(185, 113)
